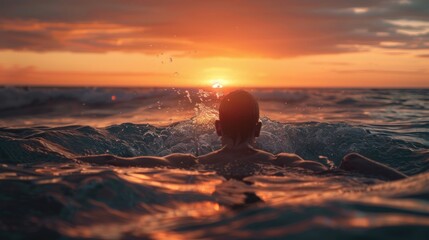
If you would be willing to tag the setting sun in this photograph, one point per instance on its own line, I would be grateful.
(218, 83)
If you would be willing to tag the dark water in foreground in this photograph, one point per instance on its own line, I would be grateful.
(44, 194)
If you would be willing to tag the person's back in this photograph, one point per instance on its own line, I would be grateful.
(238, 126)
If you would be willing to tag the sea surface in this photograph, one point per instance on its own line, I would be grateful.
(45, 194)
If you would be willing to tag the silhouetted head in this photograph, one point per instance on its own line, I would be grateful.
(238, 117)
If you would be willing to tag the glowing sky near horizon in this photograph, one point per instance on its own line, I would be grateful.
(272, 43)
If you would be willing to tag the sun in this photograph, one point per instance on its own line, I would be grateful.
(217, 83)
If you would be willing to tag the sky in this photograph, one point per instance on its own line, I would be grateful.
(237, 43)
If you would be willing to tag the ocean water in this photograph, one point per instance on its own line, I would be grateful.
(44, 194)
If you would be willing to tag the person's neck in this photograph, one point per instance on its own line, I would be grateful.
(230, 144)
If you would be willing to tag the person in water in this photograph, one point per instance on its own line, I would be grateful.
(238, 126)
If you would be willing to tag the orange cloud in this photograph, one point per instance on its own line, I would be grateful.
(236, 28)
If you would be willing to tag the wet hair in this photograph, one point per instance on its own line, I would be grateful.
(238, 115)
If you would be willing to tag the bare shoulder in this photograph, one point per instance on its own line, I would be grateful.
(295, 161)
(287, 159)
(267, 155)
(181, 159)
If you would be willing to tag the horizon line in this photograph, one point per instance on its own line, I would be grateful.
(208, 87)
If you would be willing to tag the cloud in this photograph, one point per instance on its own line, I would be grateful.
(379, 71)
(332, 63)
(269, 28)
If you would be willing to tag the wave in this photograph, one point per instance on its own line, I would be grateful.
(83, 202)
(100, 107)
(16, 97)
(47, 195)
(311, 140)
